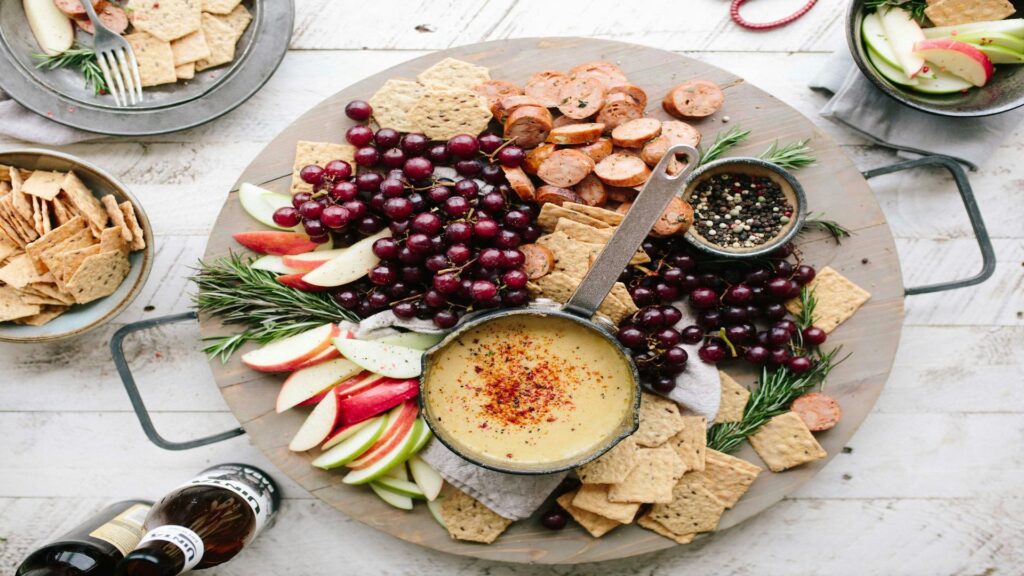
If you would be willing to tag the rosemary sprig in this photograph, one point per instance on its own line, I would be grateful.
(772, 396)
(915, 7)
(834, 228)
(793, 155)
(723, 142)
(807, 304)
(78, 57)
(239, 294)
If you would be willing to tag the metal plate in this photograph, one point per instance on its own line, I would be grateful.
(62, 96)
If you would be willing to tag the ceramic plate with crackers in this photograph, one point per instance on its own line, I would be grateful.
(75, 246)
(198, 60)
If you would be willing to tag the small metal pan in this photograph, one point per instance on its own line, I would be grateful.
(580, 308)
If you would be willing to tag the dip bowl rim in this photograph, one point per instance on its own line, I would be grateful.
(629, 425)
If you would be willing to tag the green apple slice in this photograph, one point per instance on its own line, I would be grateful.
(435, 510)
(1001, 54)
(348, 266)
(890, 72)
(385, 359)
(429, 481)
(425, 437)
(1013, 27)
(399, 472)
(412, 340)
(875, 38)
(261, 204)
(943, 83)
(345, 434)
(274, 264)
(352, 448)
(397, 456)
(1003, 39)
(393, 498)
(403, 487)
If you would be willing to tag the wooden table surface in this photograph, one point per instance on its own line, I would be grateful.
(931, 484)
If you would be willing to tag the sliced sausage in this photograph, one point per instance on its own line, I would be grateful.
(694, 99)
(539, 260)
(546, 86)
(635, 133)
(113, 17)
(654, 150)
(605, 72)
(819, 411)
(565, 168)
(566, 121)
(581, 98)
(536, 157)
(676, 219)
(528, 125)
(619, 194)
(520, 183)
(619, 109)
(576, 133)
(680, 133)
(622, 170)
(549, 194)
(508, 104)
(73, 7)
(598, 149)
(591, 191)
(632, 90)
(495, 90)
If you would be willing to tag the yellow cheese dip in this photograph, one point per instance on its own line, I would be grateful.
(528, 390)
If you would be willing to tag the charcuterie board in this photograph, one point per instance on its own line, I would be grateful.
(833, 184)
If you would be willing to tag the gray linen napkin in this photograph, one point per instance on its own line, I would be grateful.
(858, 105)
(18, 122)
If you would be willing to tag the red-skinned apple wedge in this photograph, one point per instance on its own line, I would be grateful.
(349, 266)
(309, 382)
(958, 58)
(318, 425)
(329, 353)
(312, 260)
(287, 354)
(296, 281)
(274, 242)
(377, 399)
(398, 426)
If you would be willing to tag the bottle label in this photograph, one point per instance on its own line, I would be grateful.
(255, 488)
(190, 544)
(125, 530)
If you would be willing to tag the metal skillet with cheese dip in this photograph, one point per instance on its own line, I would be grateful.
(528, 390)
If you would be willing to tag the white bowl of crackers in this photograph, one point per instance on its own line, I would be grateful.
(75, 246)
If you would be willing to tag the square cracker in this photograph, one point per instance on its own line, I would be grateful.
(584, 232)
(112, 239)
(837, 299)
(190, 48)
(7, 247)
(82, 199)
(651, 481)
(220, 6)
(550, 214)
(653, 525)
(659, 420)
(953, 12)
(43, 184)
(138, 241)
(19, 272)
(166, 19)
(785, 441)
(441, 114)
(185, 71)
(726, 476)
(11, 306)
(98, 276)
(116, 216)
(155, 58)
(19, 199)
(318, 153)
(452, 74)
(392, 103)
(595, 524)
(559, 286)
(597, 213)
(53, 257)
(734, 400)
(691, 442)
(594, 498)
(238, 20)
(693, 509)
(46, 314)
(221, 39)
(613, 466)
(570, 257)
(468, 519)
(72, 260)
(52, 291)
(56, 236)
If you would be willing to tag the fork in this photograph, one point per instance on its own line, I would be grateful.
(116, 59)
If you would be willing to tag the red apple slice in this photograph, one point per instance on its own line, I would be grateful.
(306, 383)
(274, 242)
(318, 426)
(330, 353)
(359, 383)
(312, 260)
(288, 353)
(343, 433)
(349, 266)
(958, 58)
(377, 399)
(399, 425)
(296, 281)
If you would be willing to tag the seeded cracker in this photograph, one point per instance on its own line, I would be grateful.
(691, 442)
(551, 213)
(595, 524)
(185, 71)
(167, 19)
(7, 247)
(155, 57)
(221, 40)
(953, 12)
(138, 241)
(220, 6)
(72, 261)
(692, 509)
(651, 481)
(19, 272)
(734, 400)
(392, 103)
(607, 216)
(11, 306)
(659, 420)
(613, 466)
(785, 442)
(318, 153)
(594, 498)
(43, 184)
(583, 232)
(570, 258)
(116, 216)
(238, 20)
(468, 519)
(188, 49)
(454, 74)
(45, 315)
(19, 199)
(653, 525)
(441, 114)
(56, 236)
(837, 299)
(112, 239)
(727, 477)
(98, 276)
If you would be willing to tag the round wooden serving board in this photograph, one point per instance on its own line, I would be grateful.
(834, 186)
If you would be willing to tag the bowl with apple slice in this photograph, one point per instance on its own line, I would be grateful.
(963, 69)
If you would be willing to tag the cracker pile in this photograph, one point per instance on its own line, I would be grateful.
(440, 104)
(174, 39)
(59, 244)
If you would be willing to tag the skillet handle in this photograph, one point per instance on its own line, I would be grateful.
(117, 351)
(988, 258)
(660, 189)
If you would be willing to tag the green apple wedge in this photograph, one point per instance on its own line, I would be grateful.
(1009, 41)
(397, 456)
(943, 83)
(274, 264)
(399, 472)
(352, 448)
(261, 204)
(403, 487)
(348, 266)
(1001, 54)
(395, 499)
(1013, 27)
(429, 481)
(435, 510)
(425, 435)
(875, 38)
(412, 340)
(890, 72)
(388, 360)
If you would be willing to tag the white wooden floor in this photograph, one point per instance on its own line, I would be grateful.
(931, 484)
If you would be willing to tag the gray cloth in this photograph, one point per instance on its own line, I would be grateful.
(859, 105)
(18, 122)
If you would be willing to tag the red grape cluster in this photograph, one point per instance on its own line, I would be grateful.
(454, 241)
(738, 308)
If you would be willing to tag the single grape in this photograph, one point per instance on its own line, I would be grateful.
(468, 168)
(398, 208)
(301, 198)
(676, 355)
(787, 325)
(438, 194)
(366, 156)
(463, 146)
(467, 188)
(370, 224)
(757, 277)
(446, 283)
(459, 254)
(804, 274)
(483, 290)
(814, 336)
(419, 243)
(355, 208)
(322, 239)
(703, 298)
(738, 334)
(456, 206)
(650, 318)
(387, 138)
(667, 337)
(783, 269)
(512, 258)
(404, 310)
(643, 296)
(489, 142)
(314, 228)
(799, 364)
(515, 279)
(385, 248)
(458, 232)
(377, 201)
(692, 334)
(712, 352)
(756, 354)
(383, 275)
(492, 202)
(779, 356)
(359, 135)
(311, 174)
(335, 217)
(778, 288)
(438, 154)
(369, 181)
(287, 217)
(778, 336)
(774, 311)
(490, 258)
(337, 170)
(343, 191)
(631, 337)
(507, 239)
(666, 292)
(414, 143)
(517, 220)
(663, 384)
(784, 251)
(492, 174)
(359, 110)
(434, 298)
(486, 228)
(673, 276)
(445, 319)
(515, 297)
(530, 234)
(393, 158)
(671, 314)
(311, 210)
(436, 262)
(738, 294)
(554, 519)
(392, 188)
(427, 223)
(348, 299)
(418, 168)
(511, 156)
